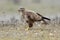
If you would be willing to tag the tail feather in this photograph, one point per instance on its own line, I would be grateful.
(43, 17)
(38, 14)
(46, 18)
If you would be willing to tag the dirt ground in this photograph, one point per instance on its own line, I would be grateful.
(42, 32)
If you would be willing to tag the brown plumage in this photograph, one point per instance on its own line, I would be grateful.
(31, 17)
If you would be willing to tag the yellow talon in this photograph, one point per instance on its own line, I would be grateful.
(27, 28)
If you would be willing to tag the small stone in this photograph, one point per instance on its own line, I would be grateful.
(36, 33)
(51, 34)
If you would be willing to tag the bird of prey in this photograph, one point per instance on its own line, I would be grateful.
(31, 17)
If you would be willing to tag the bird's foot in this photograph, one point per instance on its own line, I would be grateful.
(27, 29)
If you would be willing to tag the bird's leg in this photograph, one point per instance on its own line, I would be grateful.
(30, 24)
(27, 28)
(27, 23)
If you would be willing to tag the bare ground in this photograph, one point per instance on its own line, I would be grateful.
(42, 32)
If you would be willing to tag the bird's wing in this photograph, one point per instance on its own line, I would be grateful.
(33, 15)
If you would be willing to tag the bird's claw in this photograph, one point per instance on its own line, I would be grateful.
(27, 29)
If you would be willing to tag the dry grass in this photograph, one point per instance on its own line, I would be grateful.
(19, 33)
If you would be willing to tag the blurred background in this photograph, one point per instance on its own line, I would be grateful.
(48, 8)
(44, 7)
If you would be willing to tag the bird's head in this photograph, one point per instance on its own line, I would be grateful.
(21, 10)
